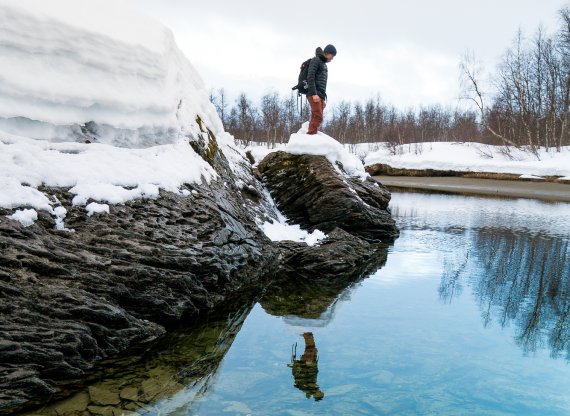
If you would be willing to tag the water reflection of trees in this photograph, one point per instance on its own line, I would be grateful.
(519, 278)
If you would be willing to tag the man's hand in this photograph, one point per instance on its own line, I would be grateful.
(316, 98)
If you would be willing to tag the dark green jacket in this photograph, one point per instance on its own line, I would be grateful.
(317, 75)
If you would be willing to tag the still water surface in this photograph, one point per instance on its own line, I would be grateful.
(470, 314)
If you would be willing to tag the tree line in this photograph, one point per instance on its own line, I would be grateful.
(275, 118)
(529, 105)
(531, 99)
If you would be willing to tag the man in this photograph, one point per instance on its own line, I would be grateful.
(317, 85)
(305, 369)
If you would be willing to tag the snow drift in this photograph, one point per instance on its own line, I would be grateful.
(95, 70)
(97, 98)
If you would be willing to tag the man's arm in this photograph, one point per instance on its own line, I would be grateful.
(311, 74)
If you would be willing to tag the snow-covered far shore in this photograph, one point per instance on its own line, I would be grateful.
(460, 157)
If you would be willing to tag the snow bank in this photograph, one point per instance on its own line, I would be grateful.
(97, 98)
(93, 171)
(472, 157)
(321, 144)
(98, 70)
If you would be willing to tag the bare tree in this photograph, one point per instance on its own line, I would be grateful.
(564, 50)
(271, 118)
(470, 75)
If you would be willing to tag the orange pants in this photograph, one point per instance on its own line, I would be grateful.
(317, 110)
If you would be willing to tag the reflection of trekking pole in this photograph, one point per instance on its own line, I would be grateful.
(293, 352)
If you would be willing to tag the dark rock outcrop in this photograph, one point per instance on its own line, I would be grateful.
(309, 190)
(70, 299)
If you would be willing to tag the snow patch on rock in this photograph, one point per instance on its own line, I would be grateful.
(26, 217)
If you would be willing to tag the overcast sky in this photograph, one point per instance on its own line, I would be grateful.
(405, 51)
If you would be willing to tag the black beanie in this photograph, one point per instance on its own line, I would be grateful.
(330, 49)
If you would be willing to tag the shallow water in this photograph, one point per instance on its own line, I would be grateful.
(469, 315)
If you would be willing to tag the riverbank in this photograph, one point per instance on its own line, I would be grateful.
(504, 188)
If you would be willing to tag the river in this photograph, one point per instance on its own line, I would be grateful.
(469, 314)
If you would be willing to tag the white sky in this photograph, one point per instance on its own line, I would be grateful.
(405, 51)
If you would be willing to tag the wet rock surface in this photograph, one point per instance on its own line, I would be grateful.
(340, 255)
(121, 280)
(118, 280)
(72, 298)
(311, 192)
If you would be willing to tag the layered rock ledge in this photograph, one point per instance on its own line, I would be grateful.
(313, 192)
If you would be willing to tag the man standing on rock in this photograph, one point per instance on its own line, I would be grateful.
(317, 85)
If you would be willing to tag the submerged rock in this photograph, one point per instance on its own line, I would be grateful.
(312, 193)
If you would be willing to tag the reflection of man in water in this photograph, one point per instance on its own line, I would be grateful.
(305, 369)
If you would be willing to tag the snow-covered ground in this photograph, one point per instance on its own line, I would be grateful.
(462, 157)
(95, 171)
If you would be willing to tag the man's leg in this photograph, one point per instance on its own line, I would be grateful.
(316, 115)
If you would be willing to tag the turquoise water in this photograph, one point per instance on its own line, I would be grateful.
(469, 315)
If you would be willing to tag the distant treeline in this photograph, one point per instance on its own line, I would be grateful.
(276, 118)
(530, 105)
